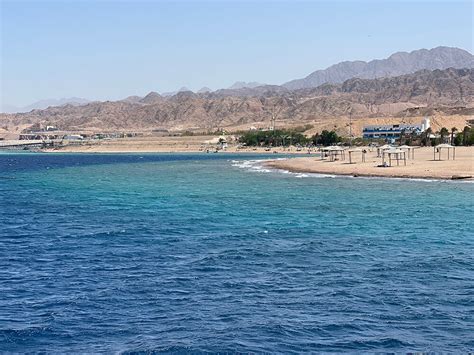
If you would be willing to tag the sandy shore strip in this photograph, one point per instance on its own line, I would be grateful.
(421, 167)
(185, 144)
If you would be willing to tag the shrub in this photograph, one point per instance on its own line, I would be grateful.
(326, 138)
(279, 137)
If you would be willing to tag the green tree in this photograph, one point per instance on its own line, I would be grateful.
(470, 137)
(412, 138)
(453, 130)
(465, 135)
(315, 139)
(458, 140)
(402, 136)
(281, 137)
(425, 140)
(326, 138)
(443, 133)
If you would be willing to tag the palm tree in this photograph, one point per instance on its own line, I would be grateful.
(413, 137)
(426, 136)
(443, 133)
(453, 130)
(465, 132)
(402, 135)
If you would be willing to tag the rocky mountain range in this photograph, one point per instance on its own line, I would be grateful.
(397, 64)
(449, 91)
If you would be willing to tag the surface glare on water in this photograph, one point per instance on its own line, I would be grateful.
(163, 252)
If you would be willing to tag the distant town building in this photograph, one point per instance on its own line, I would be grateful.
(395, 130)
(73, 137)
(38, 136)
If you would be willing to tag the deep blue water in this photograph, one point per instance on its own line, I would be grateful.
(207, 253)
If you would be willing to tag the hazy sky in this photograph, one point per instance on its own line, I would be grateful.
(113, 49)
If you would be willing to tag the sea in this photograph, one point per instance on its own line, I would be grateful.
(214, 253)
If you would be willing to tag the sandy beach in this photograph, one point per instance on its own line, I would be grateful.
(167, 144)
(422, 166)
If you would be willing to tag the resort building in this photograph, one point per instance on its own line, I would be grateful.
(395, 130)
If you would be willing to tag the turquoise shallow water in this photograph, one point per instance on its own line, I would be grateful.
(195, 253)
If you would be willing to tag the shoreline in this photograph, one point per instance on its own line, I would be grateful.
(101, 149)
(271, 165)
(422, 167)
(249, 153)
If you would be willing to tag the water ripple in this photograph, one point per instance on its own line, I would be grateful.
(191, 254)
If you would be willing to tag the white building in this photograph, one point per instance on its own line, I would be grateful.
(425, 124)
(395, 130)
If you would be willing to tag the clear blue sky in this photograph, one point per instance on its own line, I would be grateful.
(113, 49)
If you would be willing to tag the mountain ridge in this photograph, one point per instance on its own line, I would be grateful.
(451, 90)
(398, 63)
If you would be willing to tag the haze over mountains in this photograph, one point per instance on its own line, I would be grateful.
(243, 85)
(42, 104)
(397, 64)
(449, 91)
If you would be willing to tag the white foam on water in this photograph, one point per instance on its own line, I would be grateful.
(258, 166)
(251, 165)
(459, 181)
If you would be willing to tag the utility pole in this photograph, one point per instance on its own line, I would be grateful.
(350, 128)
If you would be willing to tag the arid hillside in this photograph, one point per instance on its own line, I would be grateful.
(445, 93)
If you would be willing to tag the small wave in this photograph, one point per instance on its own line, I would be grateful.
(171, 349)
(306, 175)
(252, 165)
(345, 176)
(429, 180)
(258, 166)
(10, 335)
(374, 344)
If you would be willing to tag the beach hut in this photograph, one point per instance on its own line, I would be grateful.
(382, 148)
(334, 152)
(355, 150)
(440, 147)
(394, 154)
(409, 150)
(324, 152)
